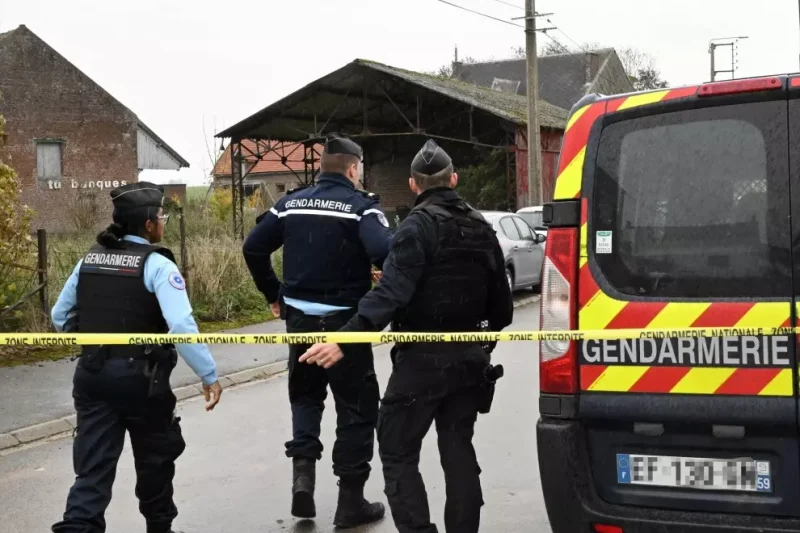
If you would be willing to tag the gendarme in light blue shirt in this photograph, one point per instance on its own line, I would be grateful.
(175, 308)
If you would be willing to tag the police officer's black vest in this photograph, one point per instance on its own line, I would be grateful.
(452, 293)
(112, 297)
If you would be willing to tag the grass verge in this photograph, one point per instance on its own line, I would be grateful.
(220, 287)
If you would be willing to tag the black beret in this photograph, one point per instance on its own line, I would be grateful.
(430, 159)
(135, 195)
(336, 144)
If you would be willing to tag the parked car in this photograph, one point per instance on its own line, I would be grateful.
(533, 216)
(522, 248)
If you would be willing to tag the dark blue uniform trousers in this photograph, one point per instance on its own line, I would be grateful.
(355, 390)
(109, 402)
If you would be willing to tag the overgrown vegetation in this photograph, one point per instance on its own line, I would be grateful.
(221, 290)
(16, 246)
(486, 185)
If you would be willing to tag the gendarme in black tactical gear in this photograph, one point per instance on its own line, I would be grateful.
(127, 284)
(444, 272)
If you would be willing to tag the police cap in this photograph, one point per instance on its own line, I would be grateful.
(137, 195)
(430, 159)
(337, 144)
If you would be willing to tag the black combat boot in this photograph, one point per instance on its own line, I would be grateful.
(160, 528)
(353, 509)
(303, 488)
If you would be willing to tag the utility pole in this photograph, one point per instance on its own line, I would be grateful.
(535, 193)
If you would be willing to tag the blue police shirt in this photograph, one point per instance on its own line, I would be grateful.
(331, 234)
(161, 276)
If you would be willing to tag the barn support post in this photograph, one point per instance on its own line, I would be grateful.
(237, 189)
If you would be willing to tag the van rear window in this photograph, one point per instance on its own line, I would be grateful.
(697, 203)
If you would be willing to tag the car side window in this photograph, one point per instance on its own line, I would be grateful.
(510, 229)
(524, 229)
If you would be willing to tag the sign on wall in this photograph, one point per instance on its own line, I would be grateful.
(56, 185)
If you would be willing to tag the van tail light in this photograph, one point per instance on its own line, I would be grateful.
(605, 528)
(558, 373)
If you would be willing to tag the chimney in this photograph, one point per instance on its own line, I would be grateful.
(456, 66)
(592, 66)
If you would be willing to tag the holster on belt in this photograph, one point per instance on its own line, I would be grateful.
(92, 358)
(491, 374)
(161, 359)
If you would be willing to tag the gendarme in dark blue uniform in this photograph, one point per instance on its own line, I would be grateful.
(332, 234)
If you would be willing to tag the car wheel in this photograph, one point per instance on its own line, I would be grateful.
(510, 279)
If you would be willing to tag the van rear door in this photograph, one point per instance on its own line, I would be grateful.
(687, 224)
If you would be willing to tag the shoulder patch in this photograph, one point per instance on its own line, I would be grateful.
(382, 219)
(177, 281)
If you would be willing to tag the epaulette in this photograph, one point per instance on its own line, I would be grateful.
(292, 191)
(166, 252)
(370, 195)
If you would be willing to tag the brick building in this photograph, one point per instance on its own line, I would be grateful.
(69, 141)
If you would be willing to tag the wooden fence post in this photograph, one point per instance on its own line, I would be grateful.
(184, 248)
(41, 238)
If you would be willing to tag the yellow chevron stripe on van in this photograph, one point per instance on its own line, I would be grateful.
(678, 315)
(584, 252)
(642, 99)
(781, 385)
(575, 116)
(568, 183)
(702, 380)
(766, 314)
(600, 311)
(618, 378)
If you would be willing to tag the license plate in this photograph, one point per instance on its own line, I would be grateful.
(748, 475)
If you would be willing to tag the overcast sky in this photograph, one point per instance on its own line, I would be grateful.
(180, 63)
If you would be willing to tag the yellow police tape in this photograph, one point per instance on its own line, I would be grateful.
(80, 339)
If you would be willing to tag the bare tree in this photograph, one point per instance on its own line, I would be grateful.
(551, 48)
(446, 71)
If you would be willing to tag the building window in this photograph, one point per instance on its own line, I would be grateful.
(280, 187)
(48, 160)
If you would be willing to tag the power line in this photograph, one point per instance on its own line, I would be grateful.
(510, 5)
(481, 14)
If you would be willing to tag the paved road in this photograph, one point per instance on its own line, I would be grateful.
(43, 392)
(234, 476)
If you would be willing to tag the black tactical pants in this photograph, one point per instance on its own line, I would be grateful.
(412, 402)
(109, 402)
(355, 390)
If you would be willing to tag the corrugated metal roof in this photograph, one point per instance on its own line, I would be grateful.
(509, 106)
(280, 119)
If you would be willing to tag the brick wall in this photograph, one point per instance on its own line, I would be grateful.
(390, 181)
(43, 96)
